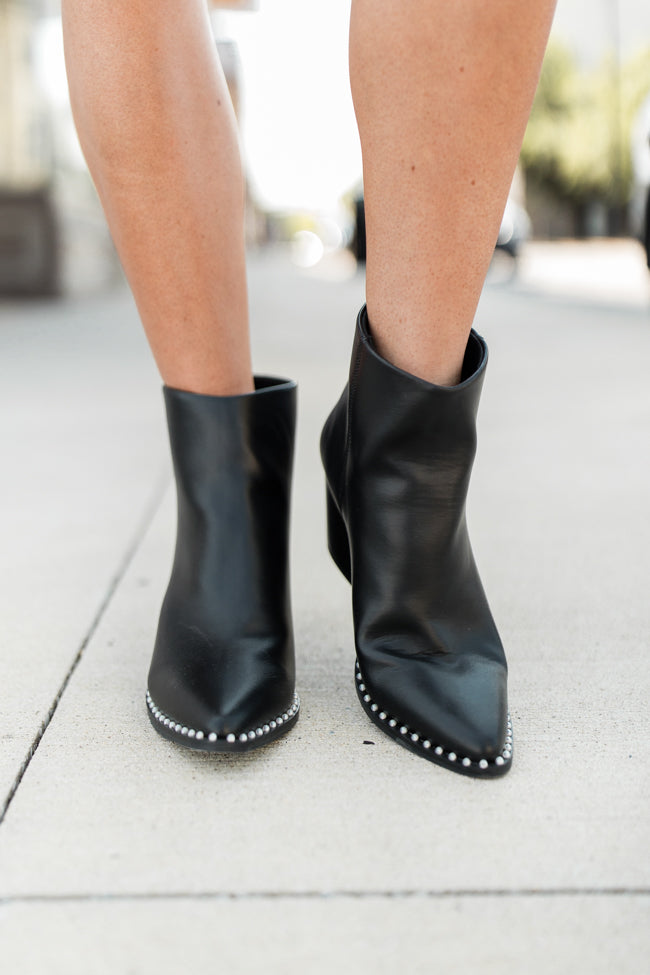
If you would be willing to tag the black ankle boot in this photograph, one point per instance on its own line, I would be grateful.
(398, 452)
(222, 676)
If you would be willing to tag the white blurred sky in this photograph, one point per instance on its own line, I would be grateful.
(298, 122)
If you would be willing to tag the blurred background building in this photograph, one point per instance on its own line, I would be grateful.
(585, 166)
(29, 252)
(586, 155)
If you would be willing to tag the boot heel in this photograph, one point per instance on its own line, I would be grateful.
(337, 538)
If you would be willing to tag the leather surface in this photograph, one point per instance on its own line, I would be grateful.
(224, 657)
(398, 454)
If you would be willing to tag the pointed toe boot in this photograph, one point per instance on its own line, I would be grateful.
(222, 677)
(398, 452)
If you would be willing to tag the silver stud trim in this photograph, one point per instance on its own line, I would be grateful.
(416, 737)
(212, 736)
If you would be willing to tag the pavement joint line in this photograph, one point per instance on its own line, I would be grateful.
(328, 895)
(150, 509)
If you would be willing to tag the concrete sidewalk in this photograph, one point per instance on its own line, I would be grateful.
(332, 850)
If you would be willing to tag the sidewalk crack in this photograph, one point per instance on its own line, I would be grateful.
(150, 509)
(328, 895)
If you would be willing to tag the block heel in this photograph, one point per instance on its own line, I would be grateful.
(337, 538)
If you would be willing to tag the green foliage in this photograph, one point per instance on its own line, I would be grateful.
(578, 140)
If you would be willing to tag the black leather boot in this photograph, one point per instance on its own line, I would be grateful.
(398, 452)
(222, 676)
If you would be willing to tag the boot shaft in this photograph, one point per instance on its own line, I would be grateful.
(398, 421)
(214, 437)
(404, 429)
(233, 459)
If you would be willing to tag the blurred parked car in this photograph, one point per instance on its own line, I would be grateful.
(515, 228)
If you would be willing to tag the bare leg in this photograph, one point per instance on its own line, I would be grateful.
(157, 127)
(442, 93)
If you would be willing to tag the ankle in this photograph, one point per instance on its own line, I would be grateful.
(210, 382)
(420, 351)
